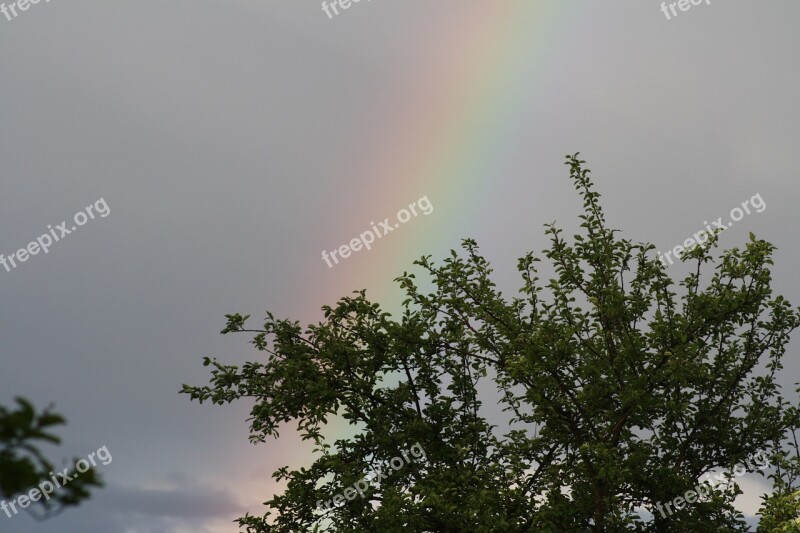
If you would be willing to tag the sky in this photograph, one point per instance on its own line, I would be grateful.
(223, 146)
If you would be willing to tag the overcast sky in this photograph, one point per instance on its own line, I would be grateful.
(233, 141)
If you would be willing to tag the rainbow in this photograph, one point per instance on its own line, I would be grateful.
(448, 134)
(446, 137)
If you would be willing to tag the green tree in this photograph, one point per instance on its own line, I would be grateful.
(24, 467)
(780, 511)
(622, 388)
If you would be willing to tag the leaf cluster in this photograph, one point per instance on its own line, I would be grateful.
(23, 466)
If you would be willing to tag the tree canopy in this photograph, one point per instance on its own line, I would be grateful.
(622, 388)
(23, 466)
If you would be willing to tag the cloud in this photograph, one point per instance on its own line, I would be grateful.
(181, 509)
(178, 502)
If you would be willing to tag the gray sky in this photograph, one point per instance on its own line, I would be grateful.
(232, 142)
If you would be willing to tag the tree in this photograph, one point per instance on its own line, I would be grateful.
(24, 467)
(780, 511)
(622, 388)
